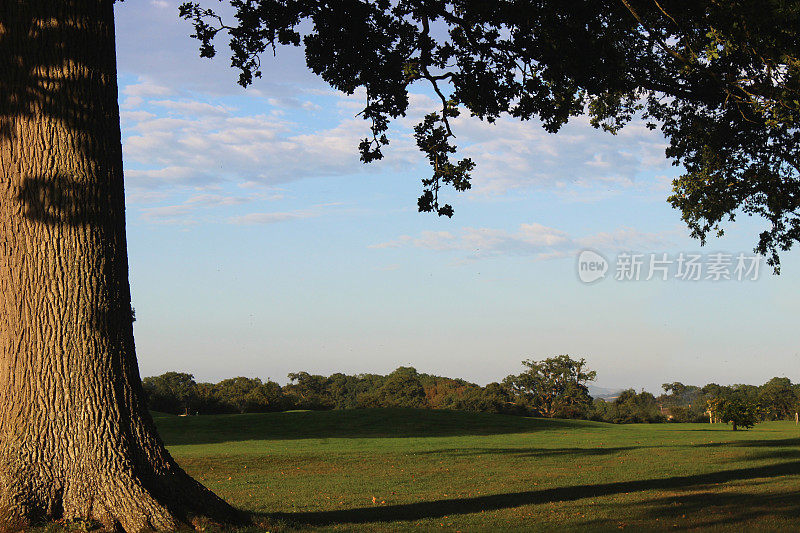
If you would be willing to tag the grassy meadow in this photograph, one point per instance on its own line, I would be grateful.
(421, 470)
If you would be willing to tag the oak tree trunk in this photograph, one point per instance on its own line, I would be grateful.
(76, 440)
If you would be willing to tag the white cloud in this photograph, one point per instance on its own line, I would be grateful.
(292, 102)
(153, 42)
(169, 214)
(581, 163)
(217, 200)
(512, 155)
(131, 117)
(272, 218)
(135, 94)
(142, 180)
(145, 87)
(532, 239)
(199, 144)
(624, 239)
(206, 207)
(143, 196)
(193, 107)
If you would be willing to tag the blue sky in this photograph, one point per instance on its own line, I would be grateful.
(259, 244)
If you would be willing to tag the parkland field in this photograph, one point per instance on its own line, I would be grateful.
(418, 470)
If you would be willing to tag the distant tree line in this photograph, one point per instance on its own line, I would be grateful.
(742, 406)
(555, 388)
(178, 393)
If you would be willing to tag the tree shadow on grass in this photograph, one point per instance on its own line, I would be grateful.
(763, 443)
(758, 450)
(769, 455)
(701, 508)
(709, 509)
(533, 451)
(350, 423)
(441, 508)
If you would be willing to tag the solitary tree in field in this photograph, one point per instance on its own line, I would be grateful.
(739, 412)
(719, 78)
(554, 387)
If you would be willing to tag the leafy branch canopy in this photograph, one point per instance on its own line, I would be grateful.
(721, 80)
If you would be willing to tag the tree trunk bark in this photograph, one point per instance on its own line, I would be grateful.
(76, 440)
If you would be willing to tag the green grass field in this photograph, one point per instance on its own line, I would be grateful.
(408, 470)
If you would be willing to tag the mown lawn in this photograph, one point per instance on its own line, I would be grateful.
(408, 470)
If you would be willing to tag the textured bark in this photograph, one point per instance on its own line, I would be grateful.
(76, 440)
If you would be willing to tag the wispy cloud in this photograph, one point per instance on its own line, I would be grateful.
(170, 215)
(180, 141)
(193, 210)
(197, 144)
(272, 217)
(194, 108)
(579, 162)
(134, 94)
(292, 102)
(534, 239)
(512, 155)
(217, 200)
